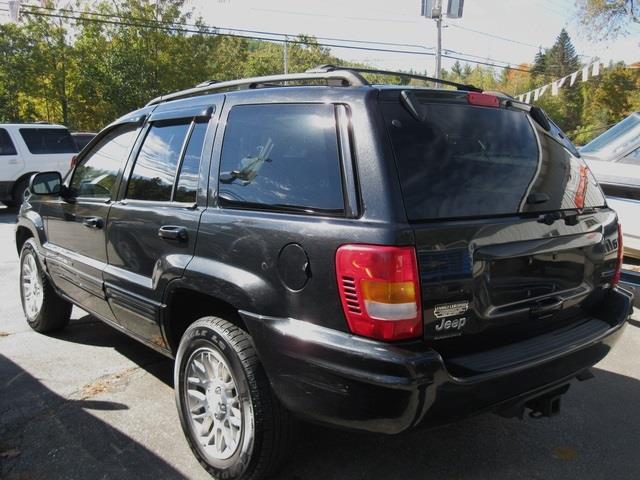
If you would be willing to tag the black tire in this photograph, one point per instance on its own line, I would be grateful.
(18, 192)
(55, 312)
(267, 429)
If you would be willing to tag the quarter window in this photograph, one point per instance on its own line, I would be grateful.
(155, 169)
(96, 175)
(188, 177)
(282, 157)
(6, 145)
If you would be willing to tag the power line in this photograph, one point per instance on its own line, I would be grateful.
(395, 21)
(491, 35)
(310, 14)
(489, 59)
(206, 30)
(231, 29)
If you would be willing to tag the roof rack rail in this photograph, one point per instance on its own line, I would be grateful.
(338, 77)
(331, 68)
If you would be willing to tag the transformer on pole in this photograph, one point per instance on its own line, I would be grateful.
(14, 10)
(433, 9)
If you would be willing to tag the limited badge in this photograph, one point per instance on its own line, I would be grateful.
(450, 309)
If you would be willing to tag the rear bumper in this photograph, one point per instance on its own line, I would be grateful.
(348, 381)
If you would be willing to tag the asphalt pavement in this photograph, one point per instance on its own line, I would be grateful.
(91, 403)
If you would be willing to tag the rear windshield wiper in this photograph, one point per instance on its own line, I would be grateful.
(570, 217)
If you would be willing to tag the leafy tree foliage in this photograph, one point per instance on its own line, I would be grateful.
(556, 62)
(608, 18)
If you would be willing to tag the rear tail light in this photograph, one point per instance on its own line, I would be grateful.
(74, 160)
(618, 271)
(483, 99)
(380, 291)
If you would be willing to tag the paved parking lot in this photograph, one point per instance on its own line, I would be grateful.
(90, 403)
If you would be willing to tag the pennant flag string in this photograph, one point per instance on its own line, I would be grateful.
(592, 69)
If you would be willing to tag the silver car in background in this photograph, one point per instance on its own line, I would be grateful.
(614, 159)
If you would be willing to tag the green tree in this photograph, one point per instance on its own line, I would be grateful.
(607, 100)
(16, 65)
(608, 18)
(556, 62)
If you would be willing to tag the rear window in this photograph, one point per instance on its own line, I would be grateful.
(6, 145)
(469, 161)
(48, 140)
(282, 157)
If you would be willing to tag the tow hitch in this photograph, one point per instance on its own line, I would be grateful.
(547, 405)
(544, 405)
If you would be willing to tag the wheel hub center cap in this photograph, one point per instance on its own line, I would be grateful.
(217, 401)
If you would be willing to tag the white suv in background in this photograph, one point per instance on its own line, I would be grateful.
(27, 148)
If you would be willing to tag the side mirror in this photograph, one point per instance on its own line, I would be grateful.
(46, 183)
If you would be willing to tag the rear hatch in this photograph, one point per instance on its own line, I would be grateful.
(512, 232)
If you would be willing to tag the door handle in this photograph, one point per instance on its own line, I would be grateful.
(93, 222)
(173, 232)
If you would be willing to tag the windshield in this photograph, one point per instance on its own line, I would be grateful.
(469, 161)
(616, 140)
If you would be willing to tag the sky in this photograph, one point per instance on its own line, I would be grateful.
(525, 25)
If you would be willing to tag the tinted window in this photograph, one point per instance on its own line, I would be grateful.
(283, 157)
(96, 175)
(188, 178)
(82, 139)
(6, 145)
(633, 157)
(466, 161)
(617, 136)
(155, 169)
(48, 140)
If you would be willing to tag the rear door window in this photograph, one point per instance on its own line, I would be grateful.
(282, 157)
(6, 145)
(41, 141)
(155, 169)
(469, 161)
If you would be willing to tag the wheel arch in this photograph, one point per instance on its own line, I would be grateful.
(30, 225)
(184, 305)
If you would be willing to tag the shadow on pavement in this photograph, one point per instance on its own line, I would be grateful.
(595, 436)
(43, 435)
(7, 214)
(89, 330)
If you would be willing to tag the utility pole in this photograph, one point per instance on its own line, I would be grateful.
(439, 44)
(14, 10)
(433, 9)
(286, 54)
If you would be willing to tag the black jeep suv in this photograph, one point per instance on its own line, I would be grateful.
(310, 245)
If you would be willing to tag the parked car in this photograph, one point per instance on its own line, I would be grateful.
(26, 148)
(81, 139)
(368, 257)
(614, 158)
